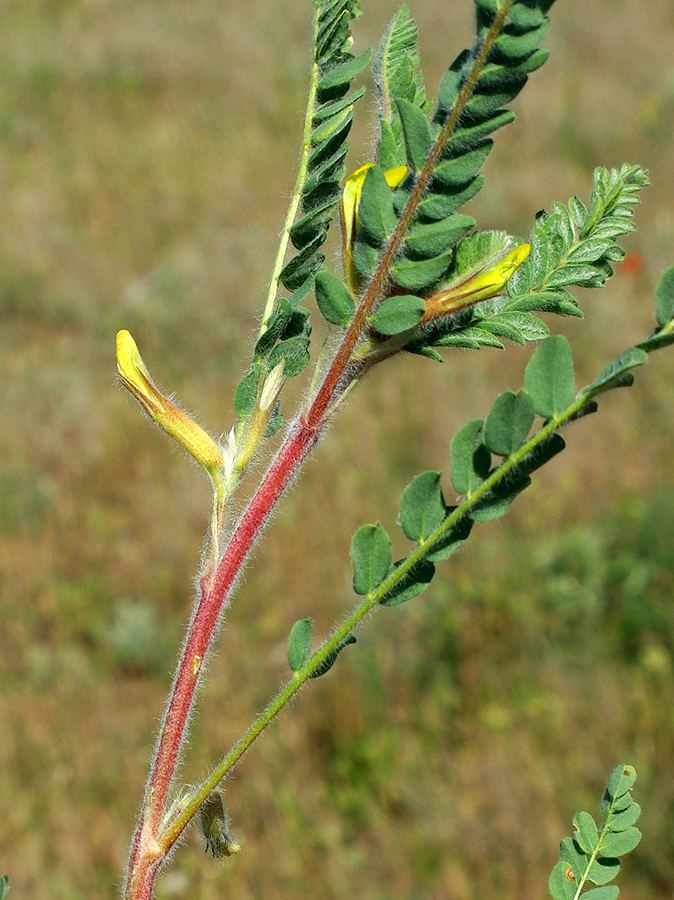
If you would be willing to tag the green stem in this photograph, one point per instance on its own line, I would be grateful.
(296, 196)
(179, 817)
(595, 852)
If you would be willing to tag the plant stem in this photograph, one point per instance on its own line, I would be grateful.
(190, 804)
(147, 853)
(215, 592)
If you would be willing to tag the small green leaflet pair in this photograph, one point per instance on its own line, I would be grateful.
(591, 855)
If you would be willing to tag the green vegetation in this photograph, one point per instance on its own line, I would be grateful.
(541, 649)
(591, 855)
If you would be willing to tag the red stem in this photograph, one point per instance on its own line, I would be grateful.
(144, 859)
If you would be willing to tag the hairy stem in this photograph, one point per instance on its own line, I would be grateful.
(214, 593)
(147, 852)
(190, 804)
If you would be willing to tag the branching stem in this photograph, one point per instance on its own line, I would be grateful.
(191, 803)
(150, 845)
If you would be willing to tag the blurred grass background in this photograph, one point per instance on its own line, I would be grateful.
(146, 153)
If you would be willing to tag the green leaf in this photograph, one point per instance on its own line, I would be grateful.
(376, 214)
(294, 352)
(562, 883)
(470, 459)
(416, 133)
(509, 422)
(624, 819)
(497, 501)
(427, 240)
(549, 377)
(541, 454)
(411, 584)
(620, 842)
(415, 275)
(333, 298)
(329, 660)
(516, 46)
(657, 341)
(459, 171)
(570, 852)
(4, 886)
(446, 202)
(664, 298)
(246, 392)
(422, 507)
(345, 72)
(452, 540)
(619, 805)
(371, 557)
(576, 244)
(604, 870)
(621, 780)
(396, 66)
(299, 643)
(587, 833)
(610, 892)
(397, 314)
(617, 373)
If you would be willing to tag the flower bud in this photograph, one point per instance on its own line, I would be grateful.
(214, 823)
(353, 190)
(482, 285)
(136, 378)
(272, 387)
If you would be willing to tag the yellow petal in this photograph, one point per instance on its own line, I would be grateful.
(136, 378)
(481, 286)
(353, 191)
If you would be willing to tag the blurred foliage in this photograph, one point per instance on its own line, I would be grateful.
(128, 204)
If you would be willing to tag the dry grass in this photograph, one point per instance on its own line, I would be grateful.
(145, 151)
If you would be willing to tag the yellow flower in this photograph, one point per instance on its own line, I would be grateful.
(353, 190)
(136, 378)
(481, 285)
